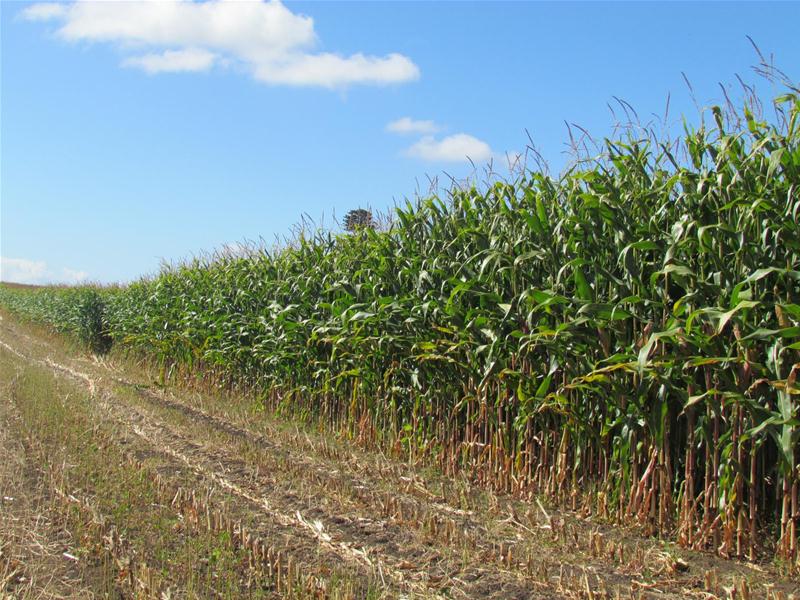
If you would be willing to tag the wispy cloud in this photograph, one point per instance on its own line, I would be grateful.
(44, 11)
(72, 276)
(190, 59)
(22, 270)
(459, 147)
(408, 125)
(275, 45)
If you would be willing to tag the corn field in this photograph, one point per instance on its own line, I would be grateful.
(624, 338)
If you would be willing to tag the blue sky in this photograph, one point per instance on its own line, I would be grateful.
(136, 132)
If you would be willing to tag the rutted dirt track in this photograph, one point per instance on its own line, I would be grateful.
(314, 510)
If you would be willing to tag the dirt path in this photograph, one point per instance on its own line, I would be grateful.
(37, 551)
(407, 533)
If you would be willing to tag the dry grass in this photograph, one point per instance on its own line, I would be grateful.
(107, 483)
(37, 552)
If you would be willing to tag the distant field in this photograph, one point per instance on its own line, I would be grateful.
(20, 286)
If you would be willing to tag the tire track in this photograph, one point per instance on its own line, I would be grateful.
(407, 581)
(428, 530)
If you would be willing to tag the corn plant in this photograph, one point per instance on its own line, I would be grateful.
(624, 337)
(79, 311)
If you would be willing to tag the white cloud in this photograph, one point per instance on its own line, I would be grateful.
(22, 270)
(274, 44)
(409, 125)
(332, 70)
(72, 276)
(44, 11)
(173, 61)
(453, 148)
